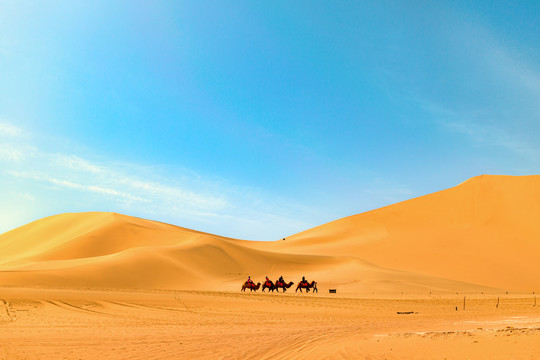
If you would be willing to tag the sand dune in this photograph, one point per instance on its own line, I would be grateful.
(126, 252)
(478, 236)
(90, 250)
(484, 231)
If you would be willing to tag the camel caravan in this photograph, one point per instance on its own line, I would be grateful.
(280, 283)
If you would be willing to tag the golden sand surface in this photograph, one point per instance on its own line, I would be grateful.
(129, 324)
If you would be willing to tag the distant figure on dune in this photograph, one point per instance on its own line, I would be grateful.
(305, 285)
(282, 284)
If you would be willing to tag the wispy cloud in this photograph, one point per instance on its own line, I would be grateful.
(507, 113)
(514, 70)
(483, 128)
(186, 199)
(77, 186)
(12, 146)
(75, 173)
(7, 129)
(10, 153)
(79, 164)
(105, 174)
(492, 135)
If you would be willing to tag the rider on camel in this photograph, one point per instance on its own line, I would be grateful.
(281, 279)
(305, 283)
(268, 281)
(249, 281)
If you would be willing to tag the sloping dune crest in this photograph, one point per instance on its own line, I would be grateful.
(117, 251)
(478, 236)
(483, 231)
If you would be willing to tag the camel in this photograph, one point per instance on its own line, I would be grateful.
(283, 285)
(268, 285)
(251, 286)
(307, 286)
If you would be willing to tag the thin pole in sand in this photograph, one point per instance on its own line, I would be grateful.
(464, 302)
(497, 306)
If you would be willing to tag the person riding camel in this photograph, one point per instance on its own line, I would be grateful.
(249, 281)
(281, 279)
(304, 283)
(268, 282)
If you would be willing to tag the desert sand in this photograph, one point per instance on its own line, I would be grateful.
(127, 324)
(453, 274)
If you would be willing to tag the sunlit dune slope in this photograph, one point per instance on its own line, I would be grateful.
(73, 236)
(483, 231)
(478, 236)
(113, 250)
(117, 251)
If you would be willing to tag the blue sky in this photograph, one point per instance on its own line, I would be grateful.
(258, 120)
